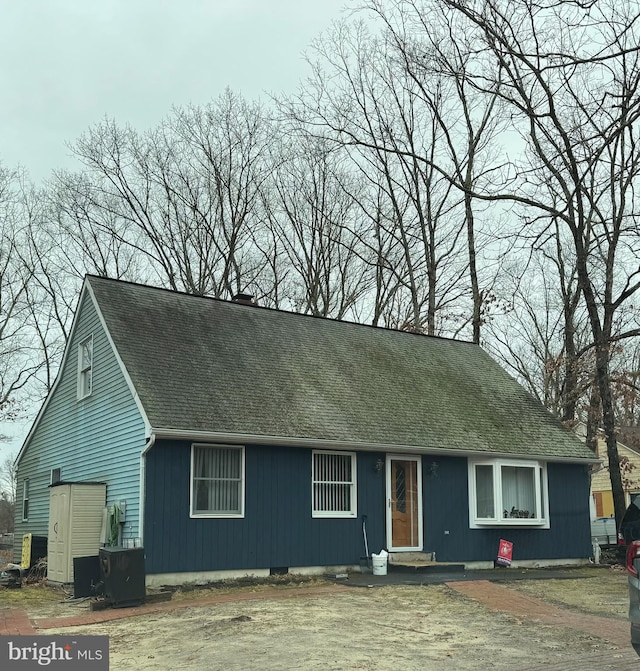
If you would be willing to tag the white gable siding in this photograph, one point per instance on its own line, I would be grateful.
(96, 439)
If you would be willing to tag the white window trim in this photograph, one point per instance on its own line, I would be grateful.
(330, 514)
(82, 369)
(25, 499)
(214, 515)
(541, 490)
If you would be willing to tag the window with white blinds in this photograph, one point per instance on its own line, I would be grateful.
(217, 481)
(334, 484)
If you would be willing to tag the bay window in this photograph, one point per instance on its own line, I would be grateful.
(507, 493)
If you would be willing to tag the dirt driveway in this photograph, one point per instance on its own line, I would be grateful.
(397, 627)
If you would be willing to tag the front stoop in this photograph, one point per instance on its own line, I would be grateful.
(420, 562)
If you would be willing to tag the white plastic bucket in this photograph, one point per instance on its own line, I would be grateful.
(379, 565)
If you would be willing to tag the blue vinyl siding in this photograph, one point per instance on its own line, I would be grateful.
(98, 438)
(446, 502)
(278, 529)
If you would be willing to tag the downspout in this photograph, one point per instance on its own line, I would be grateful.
(143, 479)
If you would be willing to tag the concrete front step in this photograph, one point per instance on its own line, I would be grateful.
(420, 562)
(403, 557)
(426, 567)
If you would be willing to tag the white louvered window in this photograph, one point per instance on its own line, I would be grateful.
(508, 493)
(217, 481)
(334, 484)
(85, 368)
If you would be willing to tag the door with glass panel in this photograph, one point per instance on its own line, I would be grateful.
(404, 503)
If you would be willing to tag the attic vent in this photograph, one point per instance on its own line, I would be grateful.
(245, 299)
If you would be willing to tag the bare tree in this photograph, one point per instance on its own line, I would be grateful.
(542, 336)
(362, 98)
(230, 145)
(8, 478)
(566, 76)
(433, 56)
(185, 196)
(24, 362)
(625, 375)
(86, 235)
(569, 77)
(312, 212)
(8, 491)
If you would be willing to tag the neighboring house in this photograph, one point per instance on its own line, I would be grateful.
(241, 439)
(629, 453)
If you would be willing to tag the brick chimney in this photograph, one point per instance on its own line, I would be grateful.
(244, 299)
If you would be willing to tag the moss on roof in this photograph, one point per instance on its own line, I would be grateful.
(201, 364)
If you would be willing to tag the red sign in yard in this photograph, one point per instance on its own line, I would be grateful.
(505, 553)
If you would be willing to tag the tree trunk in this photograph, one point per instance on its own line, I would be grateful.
(608, 421)
(473, 273)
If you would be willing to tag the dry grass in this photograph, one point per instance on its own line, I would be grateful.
(35, 596)
(41, 600)
(409, 626)
(194, 592)
(35, 599)
(602, 591)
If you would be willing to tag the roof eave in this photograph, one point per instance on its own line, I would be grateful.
(315, 443)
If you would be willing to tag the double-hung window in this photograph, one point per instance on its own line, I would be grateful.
(85, 367)
(508, 493)
(217, 481)
(334, 484)
(25, 500)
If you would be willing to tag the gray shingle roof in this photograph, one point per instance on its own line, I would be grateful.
(201, 364)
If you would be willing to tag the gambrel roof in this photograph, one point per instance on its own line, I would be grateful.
(219, 368)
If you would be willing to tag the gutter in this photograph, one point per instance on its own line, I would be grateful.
(316, 443)
(143, 489)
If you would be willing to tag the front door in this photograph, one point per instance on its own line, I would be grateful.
(404, 503)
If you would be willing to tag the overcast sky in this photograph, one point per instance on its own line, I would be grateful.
(66, 64)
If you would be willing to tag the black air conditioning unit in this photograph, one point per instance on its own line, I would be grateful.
(123, 576)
